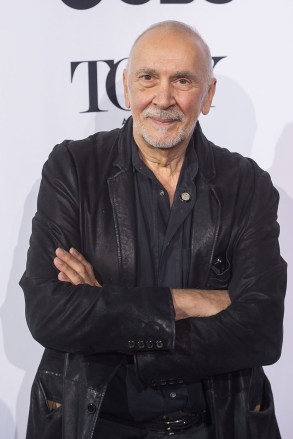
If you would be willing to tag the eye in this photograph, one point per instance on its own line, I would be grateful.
(147, 77)
(147, 80)
(183, 83)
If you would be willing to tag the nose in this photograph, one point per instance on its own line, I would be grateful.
(164, 97)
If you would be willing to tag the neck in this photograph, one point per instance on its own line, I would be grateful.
(166, 164)
(167, 159)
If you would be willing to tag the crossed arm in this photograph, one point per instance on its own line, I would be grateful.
(75, 315)
(74, 268)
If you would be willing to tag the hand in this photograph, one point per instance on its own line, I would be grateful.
(199, 303)
(74, 268)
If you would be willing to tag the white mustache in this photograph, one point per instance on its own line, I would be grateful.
(163, 114)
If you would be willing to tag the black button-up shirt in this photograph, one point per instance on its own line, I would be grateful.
(163, 259)
(163, 232)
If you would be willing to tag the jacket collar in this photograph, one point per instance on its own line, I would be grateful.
(123, 160)
(205, 154)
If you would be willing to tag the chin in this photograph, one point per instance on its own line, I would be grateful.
(164, 144)
(163, 141)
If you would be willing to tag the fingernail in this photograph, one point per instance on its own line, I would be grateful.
(60, 250)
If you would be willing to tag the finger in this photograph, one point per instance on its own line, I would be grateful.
(74, 264)
(71, 274)
(82, 259)
(62, 276)
(86, 264)
(76, 253)
(79, 264)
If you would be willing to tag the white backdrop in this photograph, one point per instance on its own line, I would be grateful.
(41, 106)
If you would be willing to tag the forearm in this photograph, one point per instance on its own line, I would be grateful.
(242, 336)
(199, 303)
(87, 319)
(76, 270)
(247, 333)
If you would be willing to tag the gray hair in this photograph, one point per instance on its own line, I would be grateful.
(183, 28)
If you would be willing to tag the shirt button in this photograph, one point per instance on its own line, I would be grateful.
(162, 193)
(131, 344)
(173, 395)
(159, 344)
(91, 408)
(140, 344)
(149, 344)
(185, 196)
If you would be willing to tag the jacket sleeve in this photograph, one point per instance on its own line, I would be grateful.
(249, 332)
(83, 318)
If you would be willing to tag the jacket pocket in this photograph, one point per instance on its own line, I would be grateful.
(241, 405)
(45, 415)
(261, 419)
(220, 273)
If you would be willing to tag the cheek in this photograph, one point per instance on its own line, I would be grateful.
(140, 99)
(192, 111)
(188, 100)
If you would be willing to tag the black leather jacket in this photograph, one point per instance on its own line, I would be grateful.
(86, 200)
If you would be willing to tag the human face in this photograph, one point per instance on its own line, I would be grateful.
(166, 88)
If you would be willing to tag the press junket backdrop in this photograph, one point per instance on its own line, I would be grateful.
(61, 78)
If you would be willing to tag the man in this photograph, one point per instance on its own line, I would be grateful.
(166, 293)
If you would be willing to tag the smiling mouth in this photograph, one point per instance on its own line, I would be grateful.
(163, 122)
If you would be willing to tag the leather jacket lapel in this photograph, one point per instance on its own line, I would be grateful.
(205, 229)
(121, 190)
(122, 197)
(206, 216)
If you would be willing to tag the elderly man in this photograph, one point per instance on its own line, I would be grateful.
(154, 278)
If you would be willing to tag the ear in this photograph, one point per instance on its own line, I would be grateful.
(125, 86)
(208, 99)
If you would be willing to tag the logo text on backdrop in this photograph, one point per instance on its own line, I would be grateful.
(87, 4)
